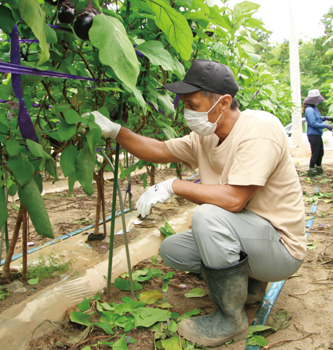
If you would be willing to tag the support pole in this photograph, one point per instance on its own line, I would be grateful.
(295, 79)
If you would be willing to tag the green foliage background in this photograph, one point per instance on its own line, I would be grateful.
(168, 34)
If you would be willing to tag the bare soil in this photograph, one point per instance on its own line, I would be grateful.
(307, 295)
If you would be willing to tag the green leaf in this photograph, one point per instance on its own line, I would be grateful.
(329, 52)
(257, 328)
(174, 25)
(125, 284)
(38, 178)
(50, 34)
(93, 136)
(146, 316)
(80, 318)
(140, 99)
(37, 149)
(254, 57)
(71, 181)
(105, 326)
(171, 343)
(222, 21)
(85, 165)
(34, 17)
(7, 21)
(33, 281)
(257, 340)
(150, 297)
(3, 208)
(21, 167)
(68, 160)
(66, 131)
(157, 55)
(128, 326)
(167, 279)
(72, 117)
(120, 344)
(247, 6)
(12, 146)
(51, 168)
(195, 293)
(189, 314)
(280, 319)
(172, 327)
(85, 305)
(115, 49)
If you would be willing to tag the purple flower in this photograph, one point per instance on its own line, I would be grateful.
(103, 247)
(127, 340)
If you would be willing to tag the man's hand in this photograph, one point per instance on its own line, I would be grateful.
(160, 192)
(329, 127)
(109, 128)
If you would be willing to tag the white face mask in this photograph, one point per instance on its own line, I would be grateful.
(199, 122)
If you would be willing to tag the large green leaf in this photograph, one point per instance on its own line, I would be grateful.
(157, 55)
(222, 21)
(80, 317)
(34, 17)
(50, 34)
(66, 131)
(3, 209)
(147, 316)
(174, 25)
(12, 146)
(68, 160)
(171, 343)
(21, 167)
(6, 19)
(85, 165)
(115, 49)
(151, 296)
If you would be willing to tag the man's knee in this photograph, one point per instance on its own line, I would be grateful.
(204, 216)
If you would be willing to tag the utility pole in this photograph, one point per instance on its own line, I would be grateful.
(295, 78)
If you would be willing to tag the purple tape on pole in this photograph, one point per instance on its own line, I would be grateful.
(18, 69)
(129, 190)
(61, 28)
(176, 101)
(140, 54)
(25, 124)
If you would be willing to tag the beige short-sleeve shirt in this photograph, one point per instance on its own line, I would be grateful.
(256, 152)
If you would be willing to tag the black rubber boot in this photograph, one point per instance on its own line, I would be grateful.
(312, 172)
(256, 291)
(228, 290)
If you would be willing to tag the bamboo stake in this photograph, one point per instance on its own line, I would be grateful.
(24, 241)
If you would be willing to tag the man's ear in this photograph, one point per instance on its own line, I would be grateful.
(225, 103)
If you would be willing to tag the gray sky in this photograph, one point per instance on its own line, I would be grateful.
(275, 15)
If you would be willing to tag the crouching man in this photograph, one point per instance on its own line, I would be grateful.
(249, 226)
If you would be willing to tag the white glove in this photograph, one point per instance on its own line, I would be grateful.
(109, 128)
(160, 192)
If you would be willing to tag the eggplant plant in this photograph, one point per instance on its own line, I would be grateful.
(114, 58)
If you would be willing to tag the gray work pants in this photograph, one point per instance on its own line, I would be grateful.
(217, 237)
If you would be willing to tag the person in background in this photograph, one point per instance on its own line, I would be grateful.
(315, 130)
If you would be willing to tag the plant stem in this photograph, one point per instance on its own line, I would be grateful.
(6, 266)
